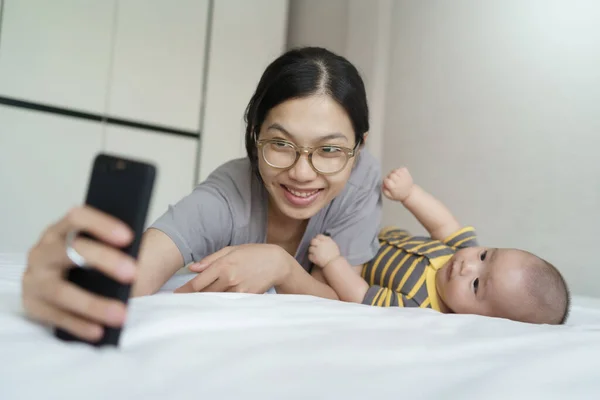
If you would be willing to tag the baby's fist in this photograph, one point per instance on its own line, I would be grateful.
(322, 250)
(398, 184)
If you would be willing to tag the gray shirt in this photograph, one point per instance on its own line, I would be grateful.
(230, 208)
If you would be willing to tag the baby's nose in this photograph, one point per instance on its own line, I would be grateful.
(466, 268)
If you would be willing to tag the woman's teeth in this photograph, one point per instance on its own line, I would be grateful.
(301, 194)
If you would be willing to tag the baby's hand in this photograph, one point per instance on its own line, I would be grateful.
(398, 184)
(322, 250)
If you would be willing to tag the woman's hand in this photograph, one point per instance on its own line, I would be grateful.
(248, 268)
(49, 298)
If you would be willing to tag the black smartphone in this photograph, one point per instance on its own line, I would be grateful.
(122, 188)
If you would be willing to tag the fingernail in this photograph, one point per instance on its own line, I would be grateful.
(95, 332)
(115, 314)
(122, 233)
(126, 270)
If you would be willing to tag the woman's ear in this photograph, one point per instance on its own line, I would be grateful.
(364, 142)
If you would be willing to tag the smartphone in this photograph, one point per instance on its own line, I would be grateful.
(122, 188)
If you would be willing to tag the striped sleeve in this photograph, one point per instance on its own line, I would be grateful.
(384, 297)
(465, 237)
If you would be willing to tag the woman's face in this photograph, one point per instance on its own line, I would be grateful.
(300, 192)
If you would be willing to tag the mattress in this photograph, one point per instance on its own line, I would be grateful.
(226, 346)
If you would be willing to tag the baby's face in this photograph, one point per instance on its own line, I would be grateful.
(484, 281)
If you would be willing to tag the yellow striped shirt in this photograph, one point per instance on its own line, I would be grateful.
(402, 274)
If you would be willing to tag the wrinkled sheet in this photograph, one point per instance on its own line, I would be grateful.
(215, 346)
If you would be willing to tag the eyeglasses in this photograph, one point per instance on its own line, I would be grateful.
(326, 159)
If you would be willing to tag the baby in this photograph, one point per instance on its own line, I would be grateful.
(447, 272)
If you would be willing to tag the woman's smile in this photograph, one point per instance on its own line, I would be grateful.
(300, 197)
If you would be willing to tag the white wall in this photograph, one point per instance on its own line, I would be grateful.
(358, 30)
(495, 107)
(318, 23)
(246, 37)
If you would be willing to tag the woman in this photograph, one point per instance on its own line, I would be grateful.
(248, 226)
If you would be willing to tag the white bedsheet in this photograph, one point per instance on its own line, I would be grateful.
(215, 346)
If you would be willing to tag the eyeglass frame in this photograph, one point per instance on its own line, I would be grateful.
(350, 153)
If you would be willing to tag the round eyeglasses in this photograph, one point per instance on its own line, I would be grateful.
(327, 159)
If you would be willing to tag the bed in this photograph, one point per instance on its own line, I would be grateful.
(211, 346)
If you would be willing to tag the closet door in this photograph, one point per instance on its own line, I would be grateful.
(56, 52)
(158, 62)
(174, 157)
(45, 161)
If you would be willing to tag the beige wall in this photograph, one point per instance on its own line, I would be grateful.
(494, 106)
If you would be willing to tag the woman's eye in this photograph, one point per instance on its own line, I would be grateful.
(282, 144)
(483, 255)
(475, 285)
(330, 149)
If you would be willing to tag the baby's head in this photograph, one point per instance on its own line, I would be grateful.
(505, 283)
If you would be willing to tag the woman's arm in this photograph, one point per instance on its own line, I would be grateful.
(158, 260)
(254, 268)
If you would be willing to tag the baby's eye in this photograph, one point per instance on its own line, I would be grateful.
(475, 285)
(483, 255)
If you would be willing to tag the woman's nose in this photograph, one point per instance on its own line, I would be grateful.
(302, 171)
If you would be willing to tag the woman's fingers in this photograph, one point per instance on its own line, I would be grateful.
(75, 300)
(199, 282)
(208, 260)
(106, 259)
(218, 286)
(102, 226)
(71, 323)
(51, 250)
(49, 298)
(51, 290)
(110, 261)
(198, 267)
(218, 278)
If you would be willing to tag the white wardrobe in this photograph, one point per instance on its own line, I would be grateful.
(160, 80)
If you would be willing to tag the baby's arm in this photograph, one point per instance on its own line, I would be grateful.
(340, 275)
(429, 211)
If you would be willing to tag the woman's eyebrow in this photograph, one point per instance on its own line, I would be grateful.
(281, 129)
(330, 136)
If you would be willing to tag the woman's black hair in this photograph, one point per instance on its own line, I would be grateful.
(303, 72)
